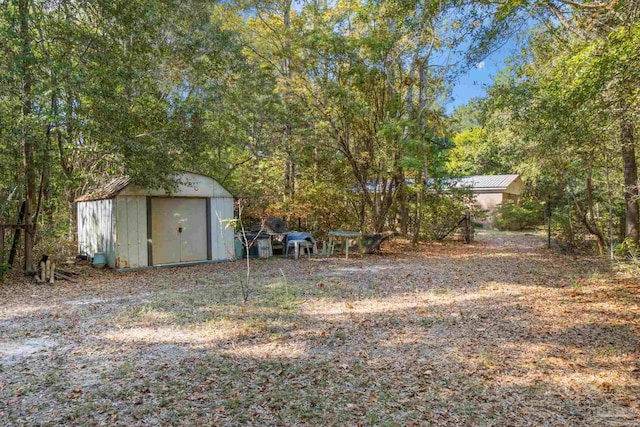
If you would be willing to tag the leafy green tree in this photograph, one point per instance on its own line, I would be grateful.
(97, 88)
(568, 102)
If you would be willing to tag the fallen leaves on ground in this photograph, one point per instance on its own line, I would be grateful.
(499, 332)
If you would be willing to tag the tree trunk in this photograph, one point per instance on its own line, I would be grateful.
(418, 218)
(362, 215)
(47, 192)
(421, 182)
(622, 230)
(27, 137)
(16, 236)
(289, 161)
(379, 219)
(627, 135)
(288, 166)
(403, 212)
(591, 225)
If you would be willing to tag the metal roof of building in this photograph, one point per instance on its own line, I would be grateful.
(485, 182)
(184, 180)
(109, 191)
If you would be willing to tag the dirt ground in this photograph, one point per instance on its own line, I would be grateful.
(502, 332)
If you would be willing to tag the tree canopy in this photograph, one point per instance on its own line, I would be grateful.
(292, 105)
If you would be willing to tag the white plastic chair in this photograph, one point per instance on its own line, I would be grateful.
(297, 245)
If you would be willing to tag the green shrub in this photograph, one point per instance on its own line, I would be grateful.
(567, 230)
(628, 249)
(442, 211)
(569, 233)
(4, 268)
(513, 217)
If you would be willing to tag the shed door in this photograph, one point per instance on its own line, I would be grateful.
(178, 229)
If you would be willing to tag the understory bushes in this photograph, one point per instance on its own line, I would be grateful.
(628, 249)
(442, 211)
(568, 232)
(510, 216)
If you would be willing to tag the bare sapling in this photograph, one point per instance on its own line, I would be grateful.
(245, 283)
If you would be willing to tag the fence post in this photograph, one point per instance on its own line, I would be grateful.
(1, 241)
(467, 227)
(547, 211)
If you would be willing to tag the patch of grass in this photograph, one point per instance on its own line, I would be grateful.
(486, 359)
(607, 351)
(125, 369)
(55, 380)
(577, 286)
(466, 409)
(281, 295)
(256, 326)
(428, 321)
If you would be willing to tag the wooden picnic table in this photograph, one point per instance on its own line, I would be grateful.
(344, 236)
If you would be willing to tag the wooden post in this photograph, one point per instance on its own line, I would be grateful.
(467, 227)
(43, 271)
(1, 241)
(16, 235)
(346, 247)
(28, 241)
(548, 215)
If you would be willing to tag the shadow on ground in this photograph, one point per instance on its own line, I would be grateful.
(502, 332)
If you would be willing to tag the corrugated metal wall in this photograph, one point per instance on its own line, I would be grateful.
(118, 227)
(131, 232)
(222, 247)
(96, 229)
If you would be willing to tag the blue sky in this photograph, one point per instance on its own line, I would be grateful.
(473, 83)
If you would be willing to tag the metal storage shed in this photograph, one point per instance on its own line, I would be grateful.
(138, 227)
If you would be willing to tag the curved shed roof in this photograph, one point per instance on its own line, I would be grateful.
(108, 191)
(189, 185)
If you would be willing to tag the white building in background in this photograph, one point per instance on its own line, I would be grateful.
(491, 190)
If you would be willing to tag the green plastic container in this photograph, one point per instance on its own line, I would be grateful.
(99, 260)
(239, 247)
